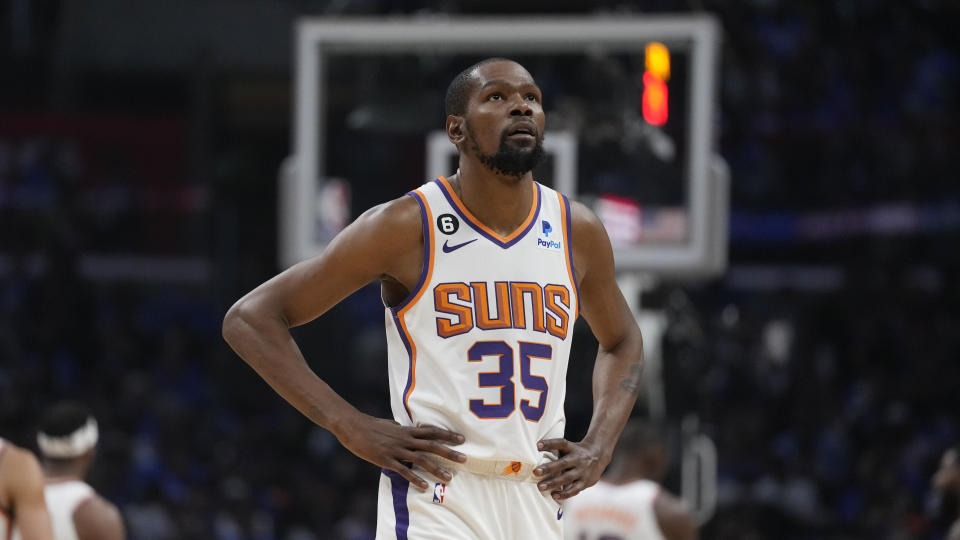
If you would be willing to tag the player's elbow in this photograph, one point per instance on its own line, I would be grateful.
(237, 318)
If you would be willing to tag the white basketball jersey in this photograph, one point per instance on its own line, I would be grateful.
(63, 497)
(608, 510)
(481, 345)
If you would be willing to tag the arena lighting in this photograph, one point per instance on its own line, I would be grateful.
(655, 92)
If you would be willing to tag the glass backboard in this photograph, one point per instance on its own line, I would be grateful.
(629, 105)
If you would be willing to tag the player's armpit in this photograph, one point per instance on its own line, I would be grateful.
(25, 486)
(674, 518)
(98, 519)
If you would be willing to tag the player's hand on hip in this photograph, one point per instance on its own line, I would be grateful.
(391, 446)
(578, 467)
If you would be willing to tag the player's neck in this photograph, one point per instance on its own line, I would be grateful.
(63, 471)
(499, 202)
(623, 472)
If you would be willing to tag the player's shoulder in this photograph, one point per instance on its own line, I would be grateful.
(582, 215)
(20, 470)
(16, 457)
(589, 241)
(674, 517)
(388, 228)
(97, 517)
(96, 504)
(404, 211)
(587, 228)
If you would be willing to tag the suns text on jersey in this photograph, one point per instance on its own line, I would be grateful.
(516, 304)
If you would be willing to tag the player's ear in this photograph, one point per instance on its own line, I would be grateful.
(456, 130)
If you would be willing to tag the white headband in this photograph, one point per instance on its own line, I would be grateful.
(70, 446)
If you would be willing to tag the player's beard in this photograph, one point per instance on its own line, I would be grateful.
(510, 160)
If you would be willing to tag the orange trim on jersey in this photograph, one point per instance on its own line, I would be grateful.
(428, 274)
(476, 222)
(568, 257)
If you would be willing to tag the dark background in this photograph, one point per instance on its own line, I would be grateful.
(139, 148)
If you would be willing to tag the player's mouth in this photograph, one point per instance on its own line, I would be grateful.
(524, 131)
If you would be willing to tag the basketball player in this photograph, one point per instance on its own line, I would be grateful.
(21, 495)
(67, 439)
(628, 503)
(483, 275)
(947, 482)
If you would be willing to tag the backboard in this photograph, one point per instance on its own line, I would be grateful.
(628, 135)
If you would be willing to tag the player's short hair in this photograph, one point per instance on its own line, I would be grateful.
(63, 418)
(640, 435)
(458, 92)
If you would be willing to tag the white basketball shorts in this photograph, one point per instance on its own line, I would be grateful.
(468, 507)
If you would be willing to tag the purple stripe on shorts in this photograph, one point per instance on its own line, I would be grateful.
(398, 488)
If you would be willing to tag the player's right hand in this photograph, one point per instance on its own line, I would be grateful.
(392, 446)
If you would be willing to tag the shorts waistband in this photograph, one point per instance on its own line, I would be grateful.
(506, 469)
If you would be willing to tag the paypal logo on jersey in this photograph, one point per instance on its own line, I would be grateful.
(544, 241)
(548, 244)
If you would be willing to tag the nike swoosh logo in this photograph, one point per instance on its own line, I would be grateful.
(560, 512)
(448, 249)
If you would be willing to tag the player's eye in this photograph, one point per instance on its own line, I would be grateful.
(496, 96)
(533, 97)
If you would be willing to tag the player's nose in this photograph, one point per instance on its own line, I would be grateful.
(521, 110)
(520, 107)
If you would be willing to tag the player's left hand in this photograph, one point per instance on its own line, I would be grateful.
(578, 467)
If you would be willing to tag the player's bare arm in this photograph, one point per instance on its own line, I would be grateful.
(384, 243)
(674, 518)
(98, 519)
(618, 368)
(23, 486)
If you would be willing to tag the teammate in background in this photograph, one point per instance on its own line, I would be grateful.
(483, 275)
(21, 495)
(67, 439)
(947, 482)
(628, 503)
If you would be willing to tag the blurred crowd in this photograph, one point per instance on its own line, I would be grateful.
(830, 407)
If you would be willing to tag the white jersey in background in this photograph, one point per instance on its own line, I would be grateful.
(605, 510)
(480, 347)
(63, 498)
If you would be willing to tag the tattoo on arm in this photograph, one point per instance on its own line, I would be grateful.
(632, 383)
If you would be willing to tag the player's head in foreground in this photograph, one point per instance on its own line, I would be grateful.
(495, 116)
(67, 438)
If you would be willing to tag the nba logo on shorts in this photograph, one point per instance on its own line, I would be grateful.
(438, 492)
